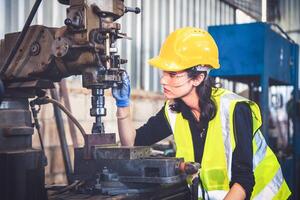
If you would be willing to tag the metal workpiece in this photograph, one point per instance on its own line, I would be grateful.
(93, 140)
(122, 152)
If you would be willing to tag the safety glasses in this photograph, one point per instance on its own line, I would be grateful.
(174, 78)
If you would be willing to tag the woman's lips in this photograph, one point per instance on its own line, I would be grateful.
(166, 90)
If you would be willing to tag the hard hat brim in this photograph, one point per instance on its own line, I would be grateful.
(166, 65)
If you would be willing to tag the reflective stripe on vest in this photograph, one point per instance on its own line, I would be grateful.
(212, 195)
(216, 173)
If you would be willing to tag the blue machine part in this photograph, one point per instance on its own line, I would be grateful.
(253, 50)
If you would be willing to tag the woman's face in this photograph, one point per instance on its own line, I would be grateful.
(176, 84)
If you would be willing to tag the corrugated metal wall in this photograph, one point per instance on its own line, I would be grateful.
(290, 18)
(148, 29)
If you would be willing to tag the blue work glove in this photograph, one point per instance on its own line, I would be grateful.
(122, 92)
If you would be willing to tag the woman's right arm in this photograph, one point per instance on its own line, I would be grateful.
(156, 129)
(126, 131)
(122, 96)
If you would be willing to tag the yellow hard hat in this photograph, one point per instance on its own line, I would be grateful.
(185, 48)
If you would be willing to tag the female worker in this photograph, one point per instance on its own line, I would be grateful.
(212, 126)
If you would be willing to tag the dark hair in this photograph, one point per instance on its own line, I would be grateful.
(207, 106)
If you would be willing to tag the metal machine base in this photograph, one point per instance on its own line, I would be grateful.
(22, 175)
(129, 171)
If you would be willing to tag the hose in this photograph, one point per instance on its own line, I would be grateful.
(75, 184)
(45, 100)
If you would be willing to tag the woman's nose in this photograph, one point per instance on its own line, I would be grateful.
(163, 80)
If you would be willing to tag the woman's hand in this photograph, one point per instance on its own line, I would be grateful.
(236, 192)
(122, 93)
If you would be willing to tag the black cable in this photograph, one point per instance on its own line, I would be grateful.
(20, 37)
(37, 125)
(202, 188)
(38, 128)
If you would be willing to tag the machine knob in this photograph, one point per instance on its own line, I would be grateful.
(60, 47)
(76, 22)
(136, 10)
(189, 168)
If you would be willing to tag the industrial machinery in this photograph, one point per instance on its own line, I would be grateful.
(262, 55)
(31, 61)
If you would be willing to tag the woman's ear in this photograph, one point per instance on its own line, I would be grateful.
(198, 80)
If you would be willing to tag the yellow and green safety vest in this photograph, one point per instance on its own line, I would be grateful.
(215, 171)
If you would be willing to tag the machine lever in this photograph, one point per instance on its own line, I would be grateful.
(136, 10)
(192, 169)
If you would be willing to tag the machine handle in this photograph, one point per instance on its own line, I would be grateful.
(136, 10)
(189, 168)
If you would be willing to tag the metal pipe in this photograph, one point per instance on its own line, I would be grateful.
(62, 136)
(64, 93)
(20, 37)
(107, 50)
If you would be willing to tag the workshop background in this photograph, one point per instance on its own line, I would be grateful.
(148, 30)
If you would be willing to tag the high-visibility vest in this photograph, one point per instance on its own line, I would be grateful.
(215, 172)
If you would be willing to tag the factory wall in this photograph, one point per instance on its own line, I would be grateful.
(148, 30)
(289, 18)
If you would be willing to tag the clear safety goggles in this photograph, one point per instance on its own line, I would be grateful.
(174, 78)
